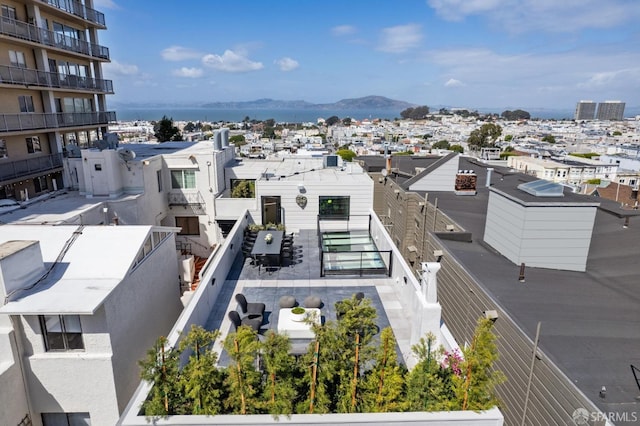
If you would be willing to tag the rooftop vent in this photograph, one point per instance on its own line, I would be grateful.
(542, 188)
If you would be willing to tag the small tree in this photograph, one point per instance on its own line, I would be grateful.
(161, 367)
(237, 140)
(164, 130)
(334, 119)
(549, 139)
(346, 154)
(202, 381)
(475, 387)
(279, 391)
(243, 380)
(443, 144)
(244, 189)
(457, 148)
(485, 136)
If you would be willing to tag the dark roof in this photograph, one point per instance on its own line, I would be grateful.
(406, 164)
(590, 320)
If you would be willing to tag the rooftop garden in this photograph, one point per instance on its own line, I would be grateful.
(350, 367)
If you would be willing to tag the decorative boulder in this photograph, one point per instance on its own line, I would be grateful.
(287, 302)
(312, 302)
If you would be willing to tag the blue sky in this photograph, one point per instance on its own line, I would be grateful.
(461, 53)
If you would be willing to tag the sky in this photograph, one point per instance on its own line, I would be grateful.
(545, 54)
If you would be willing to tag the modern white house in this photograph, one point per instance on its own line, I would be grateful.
(81, 304)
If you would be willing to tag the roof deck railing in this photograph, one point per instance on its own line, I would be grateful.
(32, 77)
(78, 9)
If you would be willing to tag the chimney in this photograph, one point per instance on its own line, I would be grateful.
(217, 140)
(21, 265)
(489, 171)
(430, 281)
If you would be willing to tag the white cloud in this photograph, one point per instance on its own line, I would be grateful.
(179, 53)
(342, 30)
(105, 4)
(553, 16)
(400, 38)
(452, 82)
(188, 72)
(597, 80)
(287, 64)
(231, 62)
(117, 68)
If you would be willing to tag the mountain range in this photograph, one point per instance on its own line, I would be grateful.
(365, 103)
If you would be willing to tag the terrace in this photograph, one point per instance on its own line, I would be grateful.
(402, 301)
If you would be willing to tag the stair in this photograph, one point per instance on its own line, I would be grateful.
(199, 264)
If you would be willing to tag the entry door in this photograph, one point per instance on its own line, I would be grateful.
(99, 178)
(271, 210)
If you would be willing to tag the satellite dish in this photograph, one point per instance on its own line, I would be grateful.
(101, 144)
(73, 151)
(126, 154)
(384, 172)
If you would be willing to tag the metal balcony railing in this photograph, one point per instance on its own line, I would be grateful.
(193, 200)
(29, 166)
(31, 77)
(24, 31)
(78, 9)
(36, 121)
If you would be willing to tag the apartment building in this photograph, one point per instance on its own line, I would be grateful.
(610, 110)
(585, 110)
(52, 92)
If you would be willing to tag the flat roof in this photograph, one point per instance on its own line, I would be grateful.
(91, 268)
(590, 320)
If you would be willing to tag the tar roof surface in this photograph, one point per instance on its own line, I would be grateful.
(590, 320)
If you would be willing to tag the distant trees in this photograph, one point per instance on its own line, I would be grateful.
(443, 144)
(515, 115)
(346, 121)
(457, 148)
(237, 140)
(346, 154)
(165, 131)
(549, 139)
(417, 113)
(485, 136)
(334, 119)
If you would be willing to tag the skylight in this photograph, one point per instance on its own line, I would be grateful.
(542, 188)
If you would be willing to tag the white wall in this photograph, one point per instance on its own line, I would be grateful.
(13, 403)
(554, 237)
(441, 179)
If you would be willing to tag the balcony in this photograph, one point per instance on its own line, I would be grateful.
(22, 30)
(30, 166)
(30, 77)
(189, 200)
(43, 121)
(78, 9)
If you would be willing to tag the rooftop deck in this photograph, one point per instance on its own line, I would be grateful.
(302, 279)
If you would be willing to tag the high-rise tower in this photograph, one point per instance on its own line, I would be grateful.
(51, 89)
(610, 110)
(585, 110)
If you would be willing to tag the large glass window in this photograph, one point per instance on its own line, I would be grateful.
(3, 149)
(190, 225)
(61, 332)
(334, 207)
(66, 419)
(183, 179)
(9, 12)
(26, 104)
(17, 59)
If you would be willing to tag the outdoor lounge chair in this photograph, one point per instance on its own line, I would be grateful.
(253, 321)
(249, 308)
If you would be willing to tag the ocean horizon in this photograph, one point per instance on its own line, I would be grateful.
(286, 115)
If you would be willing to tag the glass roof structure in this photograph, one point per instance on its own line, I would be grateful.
(542, 188)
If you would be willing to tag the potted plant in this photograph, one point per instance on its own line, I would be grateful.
(298, 313)
(268, 238)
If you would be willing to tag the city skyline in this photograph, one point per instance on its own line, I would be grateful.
(481, 53)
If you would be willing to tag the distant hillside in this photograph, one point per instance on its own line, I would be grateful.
(367, 102)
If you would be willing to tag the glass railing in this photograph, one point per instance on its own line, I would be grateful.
(20, 168)
(31, 77)
(78, 9)
(36, 121)
(24, 31)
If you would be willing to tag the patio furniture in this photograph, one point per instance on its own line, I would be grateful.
(287, 302)
(270, 252)
(254, 321)
(298, 329)
(249, 308)
(312, 302)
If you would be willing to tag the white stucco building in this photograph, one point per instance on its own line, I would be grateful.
(81, 305)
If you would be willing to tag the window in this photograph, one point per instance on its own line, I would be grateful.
(17, 59)
(334, 207)
(9, 12)
(26, 104)
(183, 179)
(61, 332)
(159, 179)
(33, 145)
(40, 184)
(66, 419)
(189, 224)
(3, 149)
